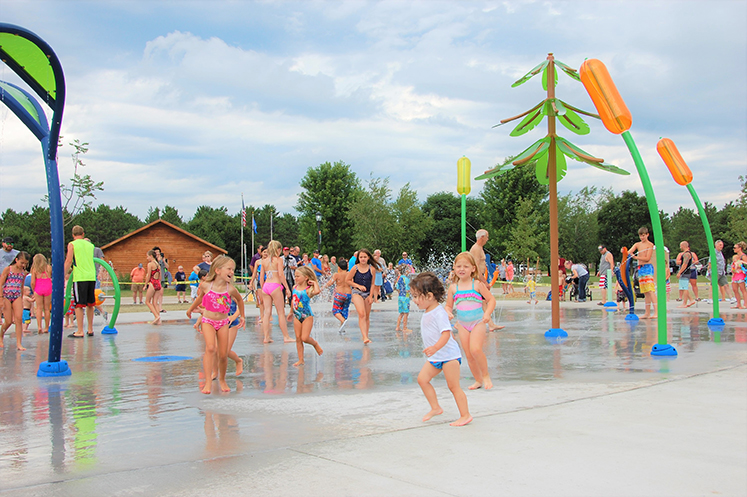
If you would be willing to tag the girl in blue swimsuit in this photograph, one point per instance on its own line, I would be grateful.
(306, 287)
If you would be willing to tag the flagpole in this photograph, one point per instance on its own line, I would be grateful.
(271, 225)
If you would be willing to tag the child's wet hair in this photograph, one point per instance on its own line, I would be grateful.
(219, 263)
(428, 282)
(469, 258)
(343, 264)
(202, 273)
(307, 272)
(22, 255)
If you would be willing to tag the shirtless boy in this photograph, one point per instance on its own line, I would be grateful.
(642, 252)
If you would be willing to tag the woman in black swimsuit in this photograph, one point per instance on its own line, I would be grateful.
(360, 278)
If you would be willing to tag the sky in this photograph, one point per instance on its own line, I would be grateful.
(196, 103)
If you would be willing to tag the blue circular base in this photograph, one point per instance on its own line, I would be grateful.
(631, 317)
(48, 369)
(610, 304)
(556, 340)
(716, 322)
(555, 333)
(109, 331)
(162, 358)
(663, 350)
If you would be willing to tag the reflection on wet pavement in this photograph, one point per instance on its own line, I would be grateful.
(116, 413)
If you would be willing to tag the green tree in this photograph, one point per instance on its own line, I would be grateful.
(525, 237)
(414, 224)
(329, 189)
(104, 224)
(738, 215)
(171, 215)
(79, 194)
(154, 213)
(444, 239)
(578, 227)
(286, 230)
(685, 224)
(374, 223)
(501, 197)
(215, 226)
(619, 219)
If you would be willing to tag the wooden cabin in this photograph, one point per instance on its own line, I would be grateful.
(180, 247)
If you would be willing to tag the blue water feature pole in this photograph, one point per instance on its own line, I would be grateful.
(34, 61)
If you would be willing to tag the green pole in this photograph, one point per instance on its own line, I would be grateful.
(464, 222)
(610, 295)
(117, 295)
(653, 210)
(712, 253)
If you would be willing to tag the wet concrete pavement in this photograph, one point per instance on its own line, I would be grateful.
(594, 415)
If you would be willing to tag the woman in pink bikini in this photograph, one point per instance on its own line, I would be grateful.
(215, 294)
(273, 277)
(41, 283)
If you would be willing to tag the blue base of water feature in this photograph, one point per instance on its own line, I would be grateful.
(716, 322)
(50, 369)
(109, 331)
(660, 350)
(556, 333)
(610, 304)
(162, 358)
(631, 317)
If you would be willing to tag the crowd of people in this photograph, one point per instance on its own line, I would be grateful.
(283, 276)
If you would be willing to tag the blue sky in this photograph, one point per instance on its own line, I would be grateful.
(195, 103)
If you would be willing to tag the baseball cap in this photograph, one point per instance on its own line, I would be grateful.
(8, 240)
(286, 248)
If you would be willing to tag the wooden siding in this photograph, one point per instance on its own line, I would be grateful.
(177, 247)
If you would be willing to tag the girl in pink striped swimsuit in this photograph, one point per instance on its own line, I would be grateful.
(465, 297)
(215, 294)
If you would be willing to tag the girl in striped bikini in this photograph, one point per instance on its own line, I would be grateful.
(465, 298)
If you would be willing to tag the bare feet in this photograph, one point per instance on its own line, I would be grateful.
(407, 329)
(475, 386)
(268, 340)
(397, 329)
(488, 383)
(207, 388)
(21, 347)
(318, 349)
(691, 304)
(156, 321)
(299, 363)
(224, 386)
(496, 328)
(462, 421)
(288, 340)
(433, 412)
(239, 366)
(367, 341)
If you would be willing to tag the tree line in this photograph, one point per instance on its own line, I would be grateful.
(359, 213)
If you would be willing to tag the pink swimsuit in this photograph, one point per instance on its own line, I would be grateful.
(216, 302)
(43, 286)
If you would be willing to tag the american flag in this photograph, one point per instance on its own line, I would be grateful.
(243, 213)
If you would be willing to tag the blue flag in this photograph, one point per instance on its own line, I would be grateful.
(254, 224)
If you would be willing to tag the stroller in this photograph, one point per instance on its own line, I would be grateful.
(572, 288)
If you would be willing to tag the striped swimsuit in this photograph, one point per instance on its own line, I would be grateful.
(468, 307)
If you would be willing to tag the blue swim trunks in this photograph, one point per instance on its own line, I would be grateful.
(341, 304)
(440, 364)
(26, 316)
(403, 304)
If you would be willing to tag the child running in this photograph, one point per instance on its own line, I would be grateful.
(440, 347)
(273, 278)
(342, 297)
(41, 284)
(360, 278)
(531, 288)
(306, 287)
(403, 302)
(215, 294)
(11, 281)
(466, 296)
